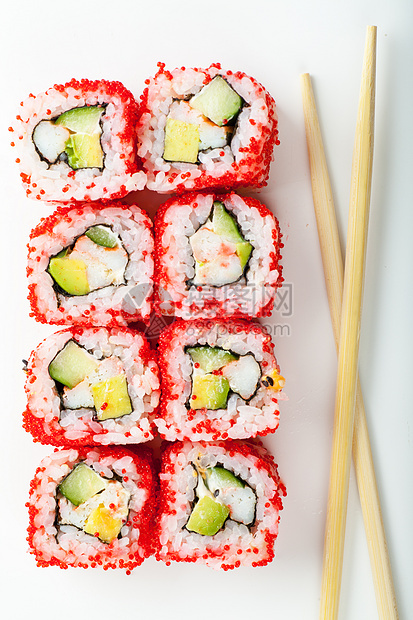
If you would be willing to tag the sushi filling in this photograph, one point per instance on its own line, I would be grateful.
(220, 252)
(220, 495)
(94, 504)
(74, 137)
(85, 382)
(216, 373)
(201, 123)
(96, 260)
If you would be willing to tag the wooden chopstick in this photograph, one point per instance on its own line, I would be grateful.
(349, 335)
(334, 273)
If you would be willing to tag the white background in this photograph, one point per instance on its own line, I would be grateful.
(43, 43)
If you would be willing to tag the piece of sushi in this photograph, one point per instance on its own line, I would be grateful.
(93, 507)
(220, 504)
(205, 128)
(216, 255)
(91, 267)
(77, 141)
(219, 380)
(92, 386)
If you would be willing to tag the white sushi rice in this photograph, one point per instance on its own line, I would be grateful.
(133, 227)
(44, 400)
(240, 539)
(240, 419)
(67, 543)
(216, 162)
(245, 297)
(52, 182)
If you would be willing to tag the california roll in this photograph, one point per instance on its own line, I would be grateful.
(91, 267)
(205, 128)
(92, 386)
(77, 141)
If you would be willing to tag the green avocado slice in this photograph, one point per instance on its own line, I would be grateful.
(70, 274)
(218, 101)
(207, 517)
(81, 484)
(244, 250)
(71, 365)
(211, 358)
(181, 141)
(111, 398)
(84, 151)
(210, 392)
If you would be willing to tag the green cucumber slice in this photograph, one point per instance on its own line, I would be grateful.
(81, 484)
(82, 120)
(210, 358)
(244, 250)
(219, 477)
(71, 365)
(218, 101)
(102, 235)
(225, 225)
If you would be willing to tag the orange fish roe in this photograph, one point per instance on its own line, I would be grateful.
(91, 552)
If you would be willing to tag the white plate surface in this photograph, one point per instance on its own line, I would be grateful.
(43, 43)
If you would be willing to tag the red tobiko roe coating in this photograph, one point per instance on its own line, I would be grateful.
(145, 520)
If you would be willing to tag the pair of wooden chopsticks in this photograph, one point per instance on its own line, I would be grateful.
(345, 300)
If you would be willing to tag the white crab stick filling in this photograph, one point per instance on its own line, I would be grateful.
(241, 503)
(104, 266)
(50, 140)
(114, 497)
(81, 395)
(243, 375)
(216, 260)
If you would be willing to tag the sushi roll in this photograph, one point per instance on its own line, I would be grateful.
(220, 504)
(205, 128)
(219, 380)
(91, 267)
(92, 386)
(216, 255)
(77, 141)
(93, 507)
